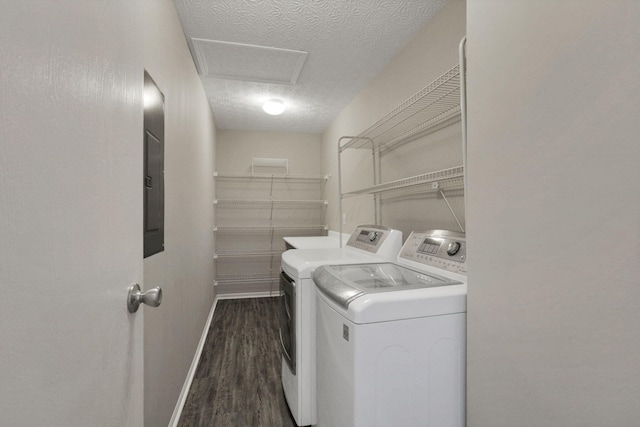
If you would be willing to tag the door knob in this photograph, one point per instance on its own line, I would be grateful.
(152, 297)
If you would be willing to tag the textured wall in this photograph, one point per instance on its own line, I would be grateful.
(233, 154)
(553, 209)
(236, 148)
(185, 269)
(432, 52)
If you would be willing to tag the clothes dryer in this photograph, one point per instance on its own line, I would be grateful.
(391, 337)
(367, 244)
(331, 241)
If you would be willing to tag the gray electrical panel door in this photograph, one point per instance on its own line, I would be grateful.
(153, 168)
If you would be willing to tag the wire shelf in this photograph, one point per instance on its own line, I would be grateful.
(435, 106)
(247, 253)
(268, 227)
(253, 212)
(245, 278)
(268, 176)
(267, 202)
(446, 186)
(445, 177)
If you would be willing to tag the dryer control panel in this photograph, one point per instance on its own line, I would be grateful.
(376, 239)
(438, 248)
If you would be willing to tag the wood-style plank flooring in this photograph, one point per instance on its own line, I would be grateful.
(237, 382)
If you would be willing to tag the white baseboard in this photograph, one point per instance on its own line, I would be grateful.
(177, 411)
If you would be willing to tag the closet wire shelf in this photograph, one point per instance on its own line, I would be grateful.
(250, 229)
(434, 107)
(269, 176)
(221, 228)
(247, 278)
(247, 253)
(268, 202)
(445, 178)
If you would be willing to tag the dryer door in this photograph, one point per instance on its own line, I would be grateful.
(287, 320)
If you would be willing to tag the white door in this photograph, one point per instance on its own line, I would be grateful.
(71, 78)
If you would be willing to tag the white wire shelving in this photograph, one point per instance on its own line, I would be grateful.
(254, 211)
(268, 202)
(436, 106)
(433, 108)
(432, 181)
(246, 278)
(267, 227)
(269, 176)
(232, 283)
(246, 253)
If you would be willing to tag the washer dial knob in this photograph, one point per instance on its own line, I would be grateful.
(373, 235)
(453, 248)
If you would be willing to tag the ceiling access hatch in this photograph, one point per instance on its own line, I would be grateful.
(246, 62)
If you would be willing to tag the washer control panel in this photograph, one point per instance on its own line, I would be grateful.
(439, 248)
(368, 237)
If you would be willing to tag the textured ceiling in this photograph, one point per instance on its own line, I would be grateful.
(348, 42)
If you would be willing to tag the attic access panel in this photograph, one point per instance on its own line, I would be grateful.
(246, 62)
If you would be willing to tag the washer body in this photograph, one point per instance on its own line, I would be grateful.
(391, 338)
(297, 313)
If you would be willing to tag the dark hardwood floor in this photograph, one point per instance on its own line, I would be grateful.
(237, 382)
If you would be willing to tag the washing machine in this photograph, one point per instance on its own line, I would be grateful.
(391, 337)
(367, 244)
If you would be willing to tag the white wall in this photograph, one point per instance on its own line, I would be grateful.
(185, 269)
(553, 213)
(432, 52)
(236, 148)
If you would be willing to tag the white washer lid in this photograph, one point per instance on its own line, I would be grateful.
(314, 242)
(300, 263)
(386, 292)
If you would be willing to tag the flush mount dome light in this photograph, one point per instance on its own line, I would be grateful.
(273, 107)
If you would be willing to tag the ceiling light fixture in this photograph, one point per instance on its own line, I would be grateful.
(273, 107)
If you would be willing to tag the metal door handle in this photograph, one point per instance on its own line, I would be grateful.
(152, 297)
(284, 349)
(286, 304)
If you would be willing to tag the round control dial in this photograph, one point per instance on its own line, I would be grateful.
(453, 248)
(373, 235)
